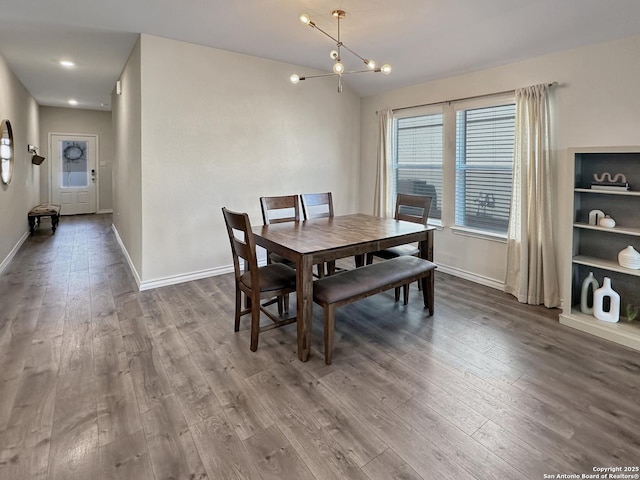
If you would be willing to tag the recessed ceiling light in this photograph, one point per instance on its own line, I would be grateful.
(67, 63)
(73, 102)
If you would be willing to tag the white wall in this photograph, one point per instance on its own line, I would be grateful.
(222, 129)
(596, 104)
(77, 121)
(127, 169)
(17, 198)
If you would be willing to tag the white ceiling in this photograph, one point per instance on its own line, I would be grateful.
(421, 39)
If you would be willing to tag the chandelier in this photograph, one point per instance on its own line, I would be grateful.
(336, 55)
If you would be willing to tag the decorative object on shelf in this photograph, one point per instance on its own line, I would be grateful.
(612, 315)
(632, 312)
(607, 222)
(629, 258)
(336, 55)
(595, 216)
(585, 295)
(604, 181)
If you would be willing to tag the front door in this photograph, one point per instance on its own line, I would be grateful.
(73, 173)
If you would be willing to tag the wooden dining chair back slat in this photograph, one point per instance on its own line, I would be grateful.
(412, 208)
(317, 205)
(285, 208)
(257, 283)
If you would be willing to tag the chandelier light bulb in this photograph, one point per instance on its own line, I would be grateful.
(304, 18)
(338, 68)
(371, 64)
(386, 69)
(295, 78)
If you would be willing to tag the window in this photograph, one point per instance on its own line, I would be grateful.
(484, 167)
(417, 158)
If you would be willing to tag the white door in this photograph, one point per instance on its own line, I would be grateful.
(73, 173)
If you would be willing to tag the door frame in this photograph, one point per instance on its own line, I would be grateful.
(50, 167)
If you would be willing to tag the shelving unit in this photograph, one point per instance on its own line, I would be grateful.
(594, 248)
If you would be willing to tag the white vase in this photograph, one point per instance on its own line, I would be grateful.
(629, 258)
(590, 281)
(607, 222)
(613, 314)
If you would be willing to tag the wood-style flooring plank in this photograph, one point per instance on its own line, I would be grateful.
(171, 447)
(222, 452)
(127, 457)
(389, 466)
(276, 458)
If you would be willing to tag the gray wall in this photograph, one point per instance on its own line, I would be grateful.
(17, 198)
(222, 129)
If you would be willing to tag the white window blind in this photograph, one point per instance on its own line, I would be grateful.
(484, 166)
(417, 158)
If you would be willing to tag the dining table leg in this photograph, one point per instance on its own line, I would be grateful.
(304, 310)
(426, 252)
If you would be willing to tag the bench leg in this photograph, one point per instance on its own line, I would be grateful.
(54, 222)
(405, 293)
(428, 291)
(329, 323)
(32, 224)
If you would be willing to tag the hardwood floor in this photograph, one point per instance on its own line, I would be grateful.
(100, 381)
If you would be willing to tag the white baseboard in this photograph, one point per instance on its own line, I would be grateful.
(185, 277)
(13, 252)
(106, 210)
(472, 277)
(136, 276)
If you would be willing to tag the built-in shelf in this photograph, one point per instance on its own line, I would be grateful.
(629, 193)
(592, 247)
(621, 230)
(623, 332)
(604, 264)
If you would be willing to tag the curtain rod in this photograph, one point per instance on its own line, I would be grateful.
(443, 102)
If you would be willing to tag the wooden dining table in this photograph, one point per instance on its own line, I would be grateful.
(310, 242)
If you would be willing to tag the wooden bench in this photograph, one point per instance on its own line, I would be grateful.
(44, 210)
(343, 288)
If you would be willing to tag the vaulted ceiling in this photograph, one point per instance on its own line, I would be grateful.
(421, 39)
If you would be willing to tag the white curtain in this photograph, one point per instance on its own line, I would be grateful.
(531, 264)
(384, 172)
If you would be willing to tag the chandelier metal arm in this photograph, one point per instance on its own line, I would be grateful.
(338, 74)
(336, 40)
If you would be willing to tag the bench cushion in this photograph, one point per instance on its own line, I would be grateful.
(44, 210)
(354, 283)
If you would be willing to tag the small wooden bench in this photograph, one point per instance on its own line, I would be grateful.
(343, 288)
(44, 210)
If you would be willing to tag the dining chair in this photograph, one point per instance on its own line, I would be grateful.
(284, 208)
(257, 283)
(319, 205)
(411, 208)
